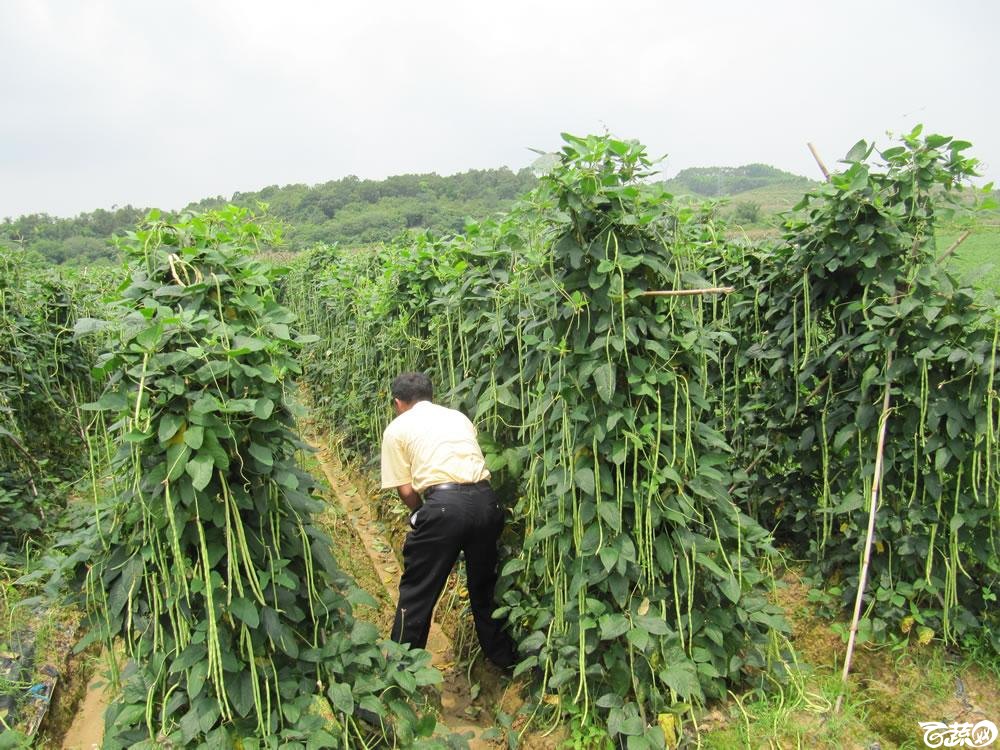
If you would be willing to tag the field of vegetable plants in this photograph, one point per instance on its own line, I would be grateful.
(693, 437)
(46, 448)
(662, 409)
(203, 563)
(45, 377)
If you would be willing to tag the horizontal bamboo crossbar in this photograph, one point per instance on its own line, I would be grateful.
(684, 292)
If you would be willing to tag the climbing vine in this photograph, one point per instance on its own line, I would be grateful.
(236, 619)
(633, 582)
(854, 300)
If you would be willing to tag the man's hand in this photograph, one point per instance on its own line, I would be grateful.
(409, 496)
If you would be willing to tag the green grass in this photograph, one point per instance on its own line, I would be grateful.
(892, 689)
(977, 260)
(773, 198)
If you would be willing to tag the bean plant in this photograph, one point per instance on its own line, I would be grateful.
(44, 377)
(854, 299)
(643, 443)
(633, 583)
(235, 617)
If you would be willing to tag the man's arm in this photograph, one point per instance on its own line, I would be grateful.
(409, 496)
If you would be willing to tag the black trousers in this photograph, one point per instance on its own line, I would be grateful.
(466, 518)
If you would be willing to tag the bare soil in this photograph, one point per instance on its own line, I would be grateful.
(87, 730)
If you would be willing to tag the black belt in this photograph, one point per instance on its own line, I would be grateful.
(457, 485)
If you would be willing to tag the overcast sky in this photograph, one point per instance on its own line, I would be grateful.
(159, 104)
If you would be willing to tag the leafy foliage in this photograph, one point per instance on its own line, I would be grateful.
(854, 300)
(235, 615)
(83, 240)
(632, 583)
(44, 375)
(643, 442)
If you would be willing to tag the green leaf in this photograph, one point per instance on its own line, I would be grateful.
(609, 700)
(843, 435)
(109, 402)
(150, 337)
(128, 716)
(124, 585)
(405, 680)
(239, 687)
(773, 621)
(194, 435)
(292, 712)
(246, 344)
(196, 679)
(177, 458)
(86, 326)
(212, 371)
(263, 408)
(652, 625)
(730, 588)
(604, 380)
(169, 424)
(363, 633)
(211, 446)
(359, 597)
(609, 556)
(682, 678)
(286, 479)
(206, 404)
(610, 515)
(859, 152)
(638, 638)
(425, 727)
(612, 626)
(200, 469)
(262, 453)
(619, 723)
(320, 738)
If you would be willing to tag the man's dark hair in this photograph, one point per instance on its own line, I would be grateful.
(411, 387)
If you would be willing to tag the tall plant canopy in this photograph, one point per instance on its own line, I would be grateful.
(652, 447)
(236, 620)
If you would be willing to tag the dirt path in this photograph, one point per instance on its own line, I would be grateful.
(87, 730)
(458, 712)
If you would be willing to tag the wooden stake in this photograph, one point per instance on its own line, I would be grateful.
(684, 292)
(876, 486)
(822, 166)
(954, 246)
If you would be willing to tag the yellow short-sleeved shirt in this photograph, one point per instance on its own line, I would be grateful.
(431, 444)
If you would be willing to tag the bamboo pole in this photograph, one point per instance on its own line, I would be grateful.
(685, 292)
(876, 486)
(822, 166)
(954, 246)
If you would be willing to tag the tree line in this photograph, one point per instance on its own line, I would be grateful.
(349, 210)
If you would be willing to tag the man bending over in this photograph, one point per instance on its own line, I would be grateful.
(430, 455)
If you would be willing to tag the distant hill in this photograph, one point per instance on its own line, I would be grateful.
(355, 211)
(718, 182)
(365, 211)
(349, 210)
